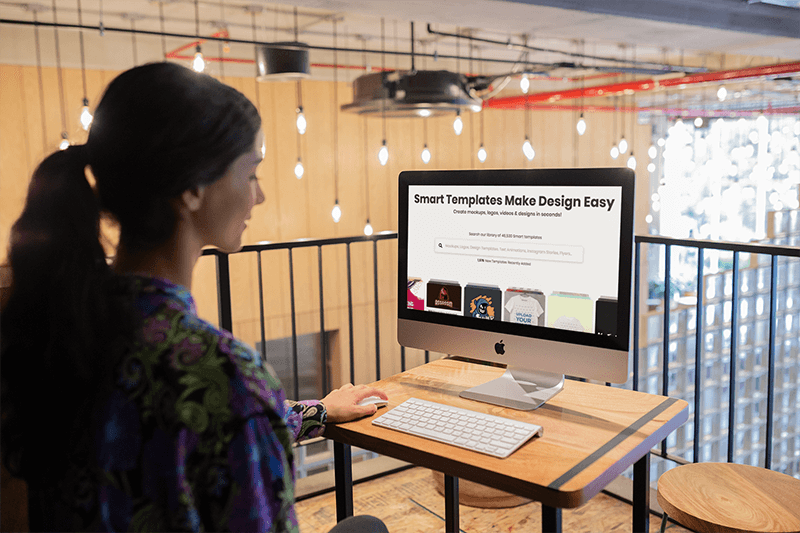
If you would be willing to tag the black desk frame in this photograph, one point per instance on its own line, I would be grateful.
(551, 516)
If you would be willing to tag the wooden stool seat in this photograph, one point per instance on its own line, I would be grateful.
(474, 494)
(730, 498)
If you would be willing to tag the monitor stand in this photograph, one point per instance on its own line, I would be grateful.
(524, 390)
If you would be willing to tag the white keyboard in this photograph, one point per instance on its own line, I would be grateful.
(489, 434)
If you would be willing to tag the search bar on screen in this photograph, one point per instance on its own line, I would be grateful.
(528, 251)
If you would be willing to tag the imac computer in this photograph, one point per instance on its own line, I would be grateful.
(526, 268)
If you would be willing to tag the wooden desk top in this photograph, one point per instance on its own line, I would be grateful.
(592, 433)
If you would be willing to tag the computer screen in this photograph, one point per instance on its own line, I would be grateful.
(528, 268)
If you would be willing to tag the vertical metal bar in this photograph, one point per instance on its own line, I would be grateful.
(733, 358)
(326, 386)
(343, 474)
(698, 354)
(451, 511)
(551, 519)
(665, 349)
(732, 376)
(773, 315)
(641, 494)
(224, 292)
(636, 312)
(402, 359)
(261, 308)
(427, 356)
(350, 315)
(377, 312)
(295, 363)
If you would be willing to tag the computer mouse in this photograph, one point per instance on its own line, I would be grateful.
(379, 402)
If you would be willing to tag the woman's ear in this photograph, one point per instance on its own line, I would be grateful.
(192, 198)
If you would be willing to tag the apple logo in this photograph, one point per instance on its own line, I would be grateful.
(500, 348)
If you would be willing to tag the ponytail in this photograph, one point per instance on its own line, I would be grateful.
(60, 315)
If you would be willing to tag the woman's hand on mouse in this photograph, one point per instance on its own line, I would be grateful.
(342, 403)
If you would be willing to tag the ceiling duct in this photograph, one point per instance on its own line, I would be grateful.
(412, 93)
(282, 61)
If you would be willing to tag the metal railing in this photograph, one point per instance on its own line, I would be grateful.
(773, 281)
(782, 273)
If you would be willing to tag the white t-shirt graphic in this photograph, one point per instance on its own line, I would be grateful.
(524, 309)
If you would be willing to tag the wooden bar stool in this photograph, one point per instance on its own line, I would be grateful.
(730, 498)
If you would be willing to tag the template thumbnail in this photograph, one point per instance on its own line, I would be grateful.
(482, 301)
(415, 295)
(523, 306)
(606, 316)
(443, 296)
(571, 311)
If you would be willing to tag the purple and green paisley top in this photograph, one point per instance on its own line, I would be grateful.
(198, 433)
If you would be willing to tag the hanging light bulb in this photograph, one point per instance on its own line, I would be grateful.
(528, 150)
(482, 154)
(64, 141)
(614, 152)
(426, 155)
(383, 154)
(581, 126)
(336, 212)
(299, 170)
(86, 116)
(301, 121)
(458, 124)
(198, 63)
(368, 229)
(524, 83)
(722, 93)
(632, 162)
(623, 146)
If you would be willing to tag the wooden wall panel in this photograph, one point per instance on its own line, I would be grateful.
(296, 209)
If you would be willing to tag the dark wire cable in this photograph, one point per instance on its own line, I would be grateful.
(163, 35)
(39, 75)
(83, 55)
(60, 73)
(335, 114)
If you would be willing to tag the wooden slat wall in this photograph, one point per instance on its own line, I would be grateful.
(301, 208)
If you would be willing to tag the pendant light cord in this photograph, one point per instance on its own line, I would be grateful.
(197, 20)
(221, 46)
(366, 130)
(383, 74)
(299, 88)
(163, 32)
(335, 114)
(133, 42)
(60, 74)
(39, 74)
(83, 55)
(483, 111)
(255, 80)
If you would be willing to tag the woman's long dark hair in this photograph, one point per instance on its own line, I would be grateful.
(160, 129)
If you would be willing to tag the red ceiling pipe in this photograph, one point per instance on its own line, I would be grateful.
(519, 102)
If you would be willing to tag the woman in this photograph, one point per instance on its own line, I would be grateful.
(121, 408)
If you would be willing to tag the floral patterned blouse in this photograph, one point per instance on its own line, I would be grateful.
(198, 433)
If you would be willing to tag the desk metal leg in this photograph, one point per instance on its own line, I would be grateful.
(343, 475)
(551, 519)
(451, 517)
(641, 495)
